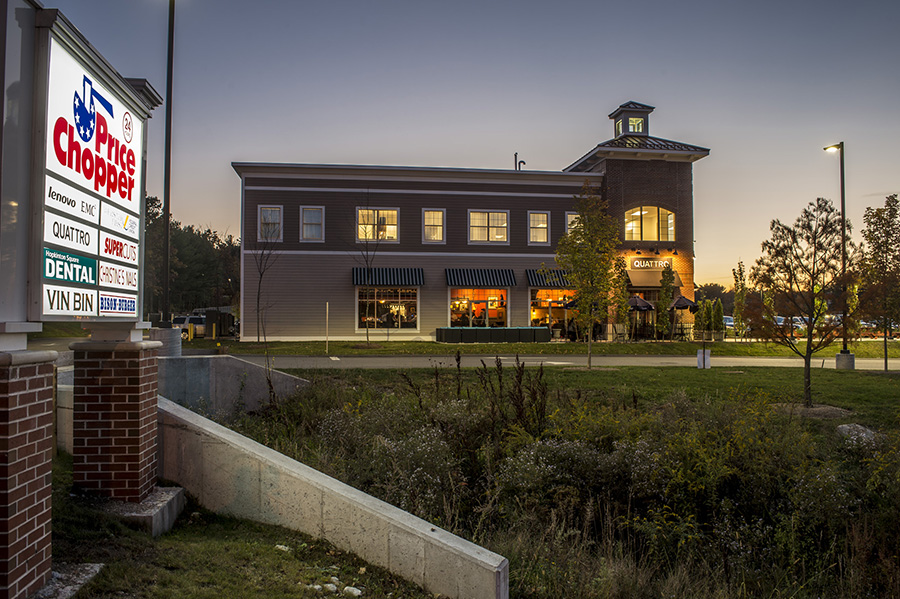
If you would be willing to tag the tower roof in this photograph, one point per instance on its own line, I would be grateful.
(632, 106)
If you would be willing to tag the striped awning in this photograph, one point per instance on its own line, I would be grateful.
(388, 276)
(489, 278)
(548, 279)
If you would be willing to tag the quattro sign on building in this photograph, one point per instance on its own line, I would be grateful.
(91, 231)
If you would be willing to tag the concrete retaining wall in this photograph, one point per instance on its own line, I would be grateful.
(217, 384)
(231, 474)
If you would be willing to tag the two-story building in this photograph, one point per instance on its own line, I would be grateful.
(404, 251)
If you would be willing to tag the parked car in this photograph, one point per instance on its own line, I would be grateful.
(184, 322)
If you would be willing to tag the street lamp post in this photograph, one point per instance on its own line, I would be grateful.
(167, 176)
(844, 363)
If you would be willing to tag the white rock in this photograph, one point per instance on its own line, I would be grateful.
(330, 588)
(352, 591)
(857, 433)
(335, 580)
(282, 547)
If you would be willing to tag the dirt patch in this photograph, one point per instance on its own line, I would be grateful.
(816, 411)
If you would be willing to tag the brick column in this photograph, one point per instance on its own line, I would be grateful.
(26, 445)
(114, 419)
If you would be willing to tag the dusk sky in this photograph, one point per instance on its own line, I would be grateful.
(765, 85)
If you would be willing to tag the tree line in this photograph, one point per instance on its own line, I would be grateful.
(205, 267)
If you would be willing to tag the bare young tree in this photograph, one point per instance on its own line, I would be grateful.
(265, 255)
(800, 270)
(373, 226)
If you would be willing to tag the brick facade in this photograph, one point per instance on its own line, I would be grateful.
(115, 419)
(26, 446)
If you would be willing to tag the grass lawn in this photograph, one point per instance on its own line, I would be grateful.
(205, 556)
(870, 396)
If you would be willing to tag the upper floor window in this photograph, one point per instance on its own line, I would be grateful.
(488, 227)
(433, 225)
(312, 219)
(270, 221)
(618, 127)
(649, 223)
(635, 125)
(539, 228)
(376, 224)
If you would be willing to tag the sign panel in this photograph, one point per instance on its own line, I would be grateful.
(118, 248)
(68, 233)
(120, 221)
(71, 268)
(118, 276)
(92, 194)
(93, 139)
(69, 301)
(65, 198)
(114, 304)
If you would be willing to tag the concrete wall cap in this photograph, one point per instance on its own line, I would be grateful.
(19, 358)
(114, 345)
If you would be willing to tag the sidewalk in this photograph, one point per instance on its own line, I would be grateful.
(604, 361)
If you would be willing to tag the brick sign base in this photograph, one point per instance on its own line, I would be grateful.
(114, 420)
(26, 453)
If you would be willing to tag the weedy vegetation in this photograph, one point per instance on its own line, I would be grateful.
(622, 483)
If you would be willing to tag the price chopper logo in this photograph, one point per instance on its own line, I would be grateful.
(107, 162)
(85, 113)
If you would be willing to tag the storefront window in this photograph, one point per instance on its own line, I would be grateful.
(550, 307)
(388, 308)
(649, 223)
(478, 307)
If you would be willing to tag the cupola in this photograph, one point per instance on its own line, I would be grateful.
(631, 118)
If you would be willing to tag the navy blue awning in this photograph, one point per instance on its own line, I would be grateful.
(489, 278)
(388, 276)
(548, 279)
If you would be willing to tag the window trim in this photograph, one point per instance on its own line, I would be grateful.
(530, 228)
(443, 240)
(635, 120)
(259, 222)
(375, 239)
(321, 239)
(488, 212)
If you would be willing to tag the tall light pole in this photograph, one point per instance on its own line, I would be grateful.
(167, 175)
(839, 148)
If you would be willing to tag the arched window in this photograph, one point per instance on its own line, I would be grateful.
(649, 223)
